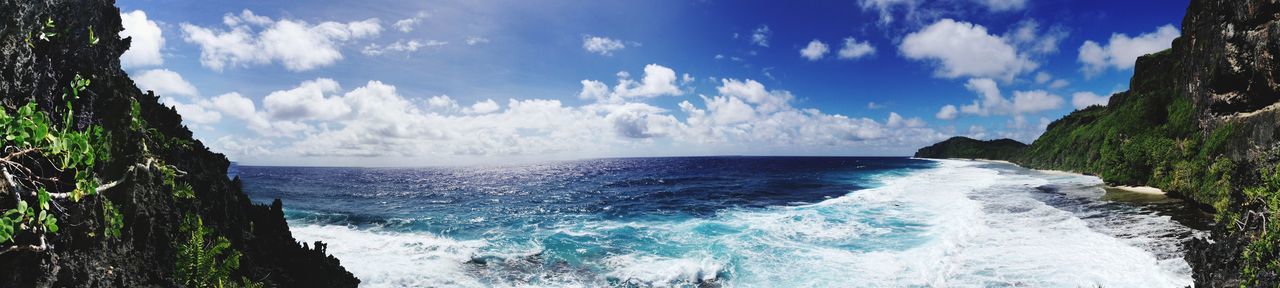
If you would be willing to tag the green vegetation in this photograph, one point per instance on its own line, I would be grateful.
(206, 260)
(45, 163)
(40, 155)
(1261, 253)
(962, 147)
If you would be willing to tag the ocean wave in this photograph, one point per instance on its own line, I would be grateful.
(958, 224)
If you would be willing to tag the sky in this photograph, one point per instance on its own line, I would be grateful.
(442, 82)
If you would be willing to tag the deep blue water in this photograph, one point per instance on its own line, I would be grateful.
(728, 221)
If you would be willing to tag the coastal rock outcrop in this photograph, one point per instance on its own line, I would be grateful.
(143, 254)
(968, 148)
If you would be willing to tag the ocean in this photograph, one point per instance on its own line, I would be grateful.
(733, 222)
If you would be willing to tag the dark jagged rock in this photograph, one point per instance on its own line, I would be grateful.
(1200, 121)
(144, 254)
(969, 148)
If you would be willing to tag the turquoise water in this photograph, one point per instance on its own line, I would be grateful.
(728, 222)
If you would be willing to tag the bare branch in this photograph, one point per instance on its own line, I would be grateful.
(15, 155)
(28, 248)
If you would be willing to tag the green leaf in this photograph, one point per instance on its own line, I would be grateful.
(51, 224)
(93, 40)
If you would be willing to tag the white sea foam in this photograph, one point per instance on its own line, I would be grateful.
(385, 259)
(959, 225)
(645, 269)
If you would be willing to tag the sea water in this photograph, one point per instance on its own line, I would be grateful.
(731, 222)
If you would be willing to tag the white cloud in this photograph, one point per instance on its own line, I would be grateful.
(1003, 5)
(760, 36)
(658, 81)
(312, 100)
(1020, 128)
(1034, 101)
(815, 50)
(442, 103)
(406, 25)
(255, 40)
(482, 107)
(1043, 77)
(963, 49)
(148, 40)
(602, 45)
(1121, 51)
(875, 106)
(235, 105)
(948, 112)
(1026, 36)
(992, 102)
(242, 147)
(886, 7)
(897, 121)
(853, 49)
(476, 40)
(1059, 84)
(400, 46)
(376, 121)
(165, 83)
(194, 113)
(1083, 100)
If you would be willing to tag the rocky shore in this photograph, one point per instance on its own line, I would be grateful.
(1200, 123)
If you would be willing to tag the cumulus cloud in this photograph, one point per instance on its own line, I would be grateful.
(194, 113)
(235, 105)
(1121, 51)
(948, 112)
(602, 45)
(992, 102)
(250, 39)
(815, 50)
(482, 107)
(375, 120)
(962, 49)
(854, 49)
(760, 36)
(658, 81)
(312, 100)
(1083, 100)
(165, 83)
(897, 121)
(148, 40)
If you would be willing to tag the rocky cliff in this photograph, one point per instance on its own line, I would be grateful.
(127, 235)
(1200, 120)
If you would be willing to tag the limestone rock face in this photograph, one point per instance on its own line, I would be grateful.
(1230, 47)
(144, 254)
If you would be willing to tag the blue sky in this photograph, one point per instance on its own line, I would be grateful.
(411, 83)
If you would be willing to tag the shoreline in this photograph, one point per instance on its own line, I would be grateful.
(1139, 189)
(1132, 189)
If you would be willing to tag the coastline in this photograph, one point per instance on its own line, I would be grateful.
(1140, 189)
(1133, 189)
